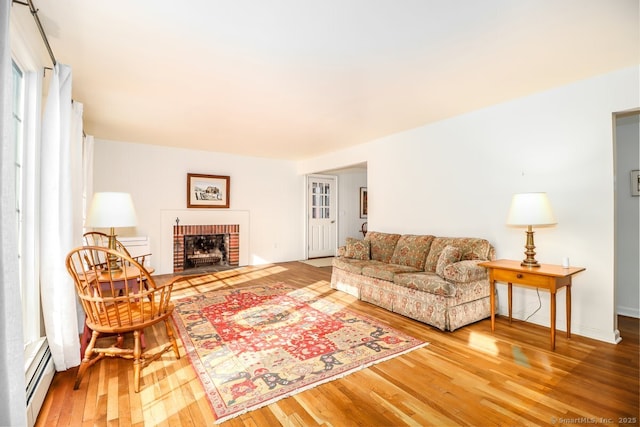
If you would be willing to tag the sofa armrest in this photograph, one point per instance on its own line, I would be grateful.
(465, 271)
(341, 251)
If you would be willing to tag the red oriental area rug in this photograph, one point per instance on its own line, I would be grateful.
(254, 346)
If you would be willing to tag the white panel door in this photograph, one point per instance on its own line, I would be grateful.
(322, 216)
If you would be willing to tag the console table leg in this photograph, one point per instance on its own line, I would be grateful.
(569, 310)
(492, 298)
(510, 290)
(553, 320)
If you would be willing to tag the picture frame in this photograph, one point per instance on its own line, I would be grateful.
(635, 183)
(207, 191)
(364, 206)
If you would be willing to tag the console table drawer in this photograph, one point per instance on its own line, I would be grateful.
(522, 278)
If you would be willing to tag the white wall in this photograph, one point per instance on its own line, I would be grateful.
(456, 178)
(627, 217)
(269, 190)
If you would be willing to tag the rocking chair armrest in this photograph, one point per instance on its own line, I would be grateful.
(140, 257)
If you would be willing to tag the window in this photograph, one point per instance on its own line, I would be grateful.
(26, 166)
(320, 202)
(18, 135)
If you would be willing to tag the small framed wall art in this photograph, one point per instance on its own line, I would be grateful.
(207, 191)
(363, 202)
(635, 183)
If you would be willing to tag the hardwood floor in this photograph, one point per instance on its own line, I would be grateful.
(467, 377)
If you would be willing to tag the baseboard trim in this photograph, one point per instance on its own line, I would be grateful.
(628, 311)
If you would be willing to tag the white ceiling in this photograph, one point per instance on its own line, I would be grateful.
(294, 79)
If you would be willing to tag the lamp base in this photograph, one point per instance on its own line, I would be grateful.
(112, 259)
(530, 260)
(529, 263)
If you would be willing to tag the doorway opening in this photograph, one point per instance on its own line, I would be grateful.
(626, 151)
(349, 183)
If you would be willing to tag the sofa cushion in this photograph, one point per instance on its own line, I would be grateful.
(448, 256)
(464, 271)
(411, 250)
(472, 248)
(382, 245)
(425, 282)
(349, 264)
(386, 271)
(357, 249)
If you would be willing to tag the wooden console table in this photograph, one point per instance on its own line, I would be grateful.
(547, 276)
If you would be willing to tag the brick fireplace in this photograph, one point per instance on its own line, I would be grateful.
(197, 245)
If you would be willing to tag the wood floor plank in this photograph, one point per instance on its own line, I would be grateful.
(112, 379)
(467, 377)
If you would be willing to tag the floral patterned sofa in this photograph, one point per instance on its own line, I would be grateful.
(435, 280)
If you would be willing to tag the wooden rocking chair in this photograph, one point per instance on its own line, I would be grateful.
(115, 303)
(96, 238)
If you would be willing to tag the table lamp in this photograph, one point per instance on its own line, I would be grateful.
(111, 210)
(530, 209)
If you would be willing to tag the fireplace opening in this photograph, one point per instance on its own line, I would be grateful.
(206, 250)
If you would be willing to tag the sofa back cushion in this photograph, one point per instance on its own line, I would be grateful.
(357, 249)
(382, 245)
(411, 250)
(449, 255)
(471, 248)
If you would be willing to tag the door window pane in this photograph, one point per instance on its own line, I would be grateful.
(320, 200)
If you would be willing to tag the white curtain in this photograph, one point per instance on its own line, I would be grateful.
(87, 157)
(12, 386)
(61, 216)
(86, 187)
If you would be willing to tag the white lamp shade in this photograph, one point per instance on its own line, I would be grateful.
(111, 210)
(530, 209)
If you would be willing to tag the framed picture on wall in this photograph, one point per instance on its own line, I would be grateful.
(207, 191)
(635, 183)
(363, 202)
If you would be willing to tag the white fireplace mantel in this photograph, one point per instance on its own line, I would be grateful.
(200, 217)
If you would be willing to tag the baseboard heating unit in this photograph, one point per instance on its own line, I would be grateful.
(39, 372)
